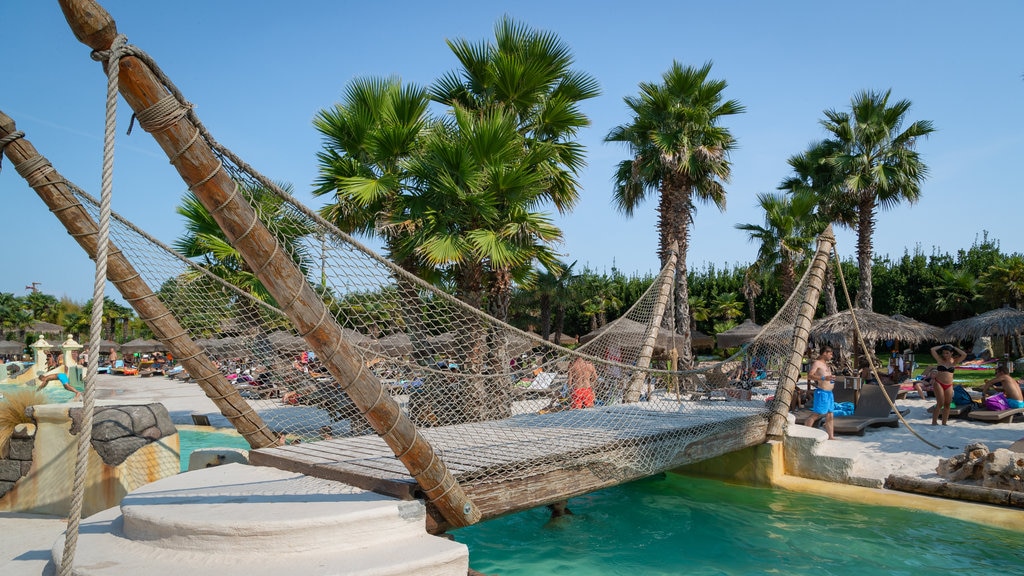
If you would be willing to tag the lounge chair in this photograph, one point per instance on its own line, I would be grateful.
(996, 416)
(872, 410)
(955, 412)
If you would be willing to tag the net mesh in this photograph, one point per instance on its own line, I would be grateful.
(446, 363)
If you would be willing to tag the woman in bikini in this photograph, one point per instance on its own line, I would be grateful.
(948, 357)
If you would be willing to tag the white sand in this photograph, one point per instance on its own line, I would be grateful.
(884, 451)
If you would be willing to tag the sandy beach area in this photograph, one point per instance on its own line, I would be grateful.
(25, 547)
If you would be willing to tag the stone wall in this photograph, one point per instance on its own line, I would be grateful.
(131, 445)
(19, 457)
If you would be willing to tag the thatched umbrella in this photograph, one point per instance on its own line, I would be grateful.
(837, 329)
(142, 346)
(286, 342)
(397, 344)
(630, 333)
(1000, 322)
(41, 327)
(739, 335)
(11, 347)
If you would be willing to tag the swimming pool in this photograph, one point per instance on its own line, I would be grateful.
(195, 437)
(679, 525)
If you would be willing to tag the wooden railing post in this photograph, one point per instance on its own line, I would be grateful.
(200, 168)
(801, 329)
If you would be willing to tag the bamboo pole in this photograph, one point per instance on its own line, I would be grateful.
(801, 329)
(201, 170)
(51, 188)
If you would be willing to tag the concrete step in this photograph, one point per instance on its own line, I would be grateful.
(238, 519)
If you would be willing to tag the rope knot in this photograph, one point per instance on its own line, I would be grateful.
(116, 50)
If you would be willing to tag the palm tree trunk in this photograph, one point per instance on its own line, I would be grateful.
(831, 305)
(865, 233)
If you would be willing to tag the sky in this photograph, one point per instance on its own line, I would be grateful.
(258, 72)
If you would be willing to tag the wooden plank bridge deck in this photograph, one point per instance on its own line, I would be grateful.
(534, 459)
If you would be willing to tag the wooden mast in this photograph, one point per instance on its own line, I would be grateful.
(202, 171)
(51, 188)
(801, 329)
(657, 318)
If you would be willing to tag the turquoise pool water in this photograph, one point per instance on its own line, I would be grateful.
(676, 525)
(192, 438)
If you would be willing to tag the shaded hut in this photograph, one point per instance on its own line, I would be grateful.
(1005, 322)
(142, 346)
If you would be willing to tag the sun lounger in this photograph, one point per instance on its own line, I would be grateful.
(955, 412)
(872, 410)
(997, 416)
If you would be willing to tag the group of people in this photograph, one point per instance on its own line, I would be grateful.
(947, 358)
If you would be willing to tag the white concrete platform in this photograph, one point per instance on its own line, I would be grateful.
(248, 520)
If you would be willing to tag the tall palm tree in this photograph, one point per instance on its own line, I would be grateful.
(879, 167)
(679, 151)
(473, 207)
(367, 137)
(528, 74)
(786, 235)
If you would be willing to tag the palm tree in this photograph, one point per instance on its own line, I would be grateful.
(956, 291)
(1004, 283)
(13, 313)
(878, 166)
(367, 138)
(204, 241)
(552, 290)
(679, 150)
(786, 236)
(814, 175)
(528, 74)
(471, 210)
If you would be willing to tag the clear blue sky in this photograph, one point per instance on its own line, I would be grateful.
(259, 71)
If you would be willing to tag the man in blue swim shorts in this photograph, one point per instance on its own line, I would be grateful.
(62, 376)
(820, 375)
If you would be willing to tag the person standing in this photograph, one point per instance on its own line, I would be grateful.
(582, 376)
(948, 357)
(820, 375)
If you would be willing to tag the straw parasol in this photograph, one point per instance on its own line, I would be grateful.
(41, 327)
(739, 335)
(286, 342)
(11, 347)
(1004, 321)
(142, 346)
(394, 345)
(837, 329)
(632, 333)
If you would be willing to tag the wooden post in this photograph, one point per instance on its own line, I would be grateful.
(801, 329)
(647, 350)
(50, 187)
(202, 171)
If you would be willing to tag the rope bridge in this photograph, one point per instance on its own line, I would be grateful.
(390, 384)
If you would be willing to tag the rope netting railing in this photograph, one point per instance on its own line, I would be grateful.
(325, 338)
(443, 361)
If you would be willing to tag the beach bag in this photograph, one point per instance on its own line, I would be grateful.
(996, 403)
(961, 397)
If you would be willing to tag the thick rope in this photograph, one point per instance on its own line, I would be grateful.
(864, 348)
(113, 58)
(7, 140)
